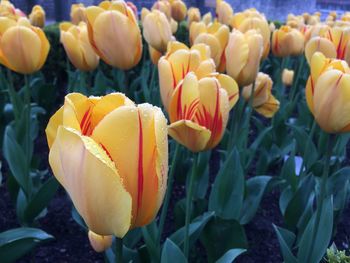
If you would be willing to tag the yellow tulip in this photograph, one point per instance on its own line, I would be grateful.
(75, 40)
(157, 30)
(112, 158)
(23, 47)
(178, 10)
(263, 100)
(193, 15)
(287, 41)
(207, 18)
(8, 10)
(77, 13)
(328, 93)
(287, 77)
(243, 54)
(163, 6)
(144, 13)
(224, 12)
(37, 16)
(215, 35)
(114, 33)
(154, 54)
(174, 25)
(199, 110)
(100, 243)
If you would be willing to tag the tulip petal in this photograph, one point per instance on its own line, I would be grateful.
(213, 43)
(52, 127)
(231, 87)
(92, 182)
(322, 45)
(269, 108)
(190, 134)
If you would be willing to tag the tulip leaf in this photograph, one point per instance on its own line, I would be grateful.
(195, 230)
(17, 242)
(231, 255)
(312, 250)
(255, 189)
(41, 199)
(78, 219)
(286, 240)
(202, 175)
(172, 253)
(228, 234)
(226, 197)
(150, 234)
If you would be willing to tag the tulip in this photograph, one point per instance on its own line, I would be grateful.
(199, 110)
(178, 10)
(272, 27)
(177, 62)
(328, 93)
(23, 47)
(214, 35)
(287, 77)
(287, 41)
(207, 18)
(144, 13)
(37, 16)
(193, 15)
(157, 30)
(263, 100)
(164, 7)
(7, 10)
(154, 54)
(243, 54)
(133, 8)
(224, 12)
(112, 158)
(114, 33)
(100, 243)
(75, 40)
(77, 13)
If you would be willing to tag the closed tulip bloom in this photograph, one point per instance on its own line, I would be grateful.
(177, 62)
(215, 35)
(133, 8)
(328, 93)
(157, 30)
(23, 47)
(199, 111)
(112, 158)
(243, 54)
(8, 10)
(114, 33)
(207, 18)
(178, 10)
(99, 243)
(77, 13)
(37, 16)
(144, 13)
(287, 77)
(193, 15)
(224, 12)
(154, 54)
(163, 6)
(287, 41)
(76, 43)
(263, 100)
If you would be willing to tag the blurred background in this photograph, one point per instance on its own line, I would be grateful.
(57, 10)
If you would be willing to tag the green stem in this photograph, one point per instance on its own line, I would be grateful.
(249, 115)
(28, 128)
(151, 85)
(168, 193)
(118, 250)
(12, 94)
(296, 79)
(322, 195)
(82, 82)
(189, 205)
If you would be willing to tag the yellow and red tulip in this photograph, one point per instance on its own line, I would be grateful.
(263, 100)
(76, 43)
(114, 34)
(111, 156)
(23, 47)
(37, 16)
(287, 41)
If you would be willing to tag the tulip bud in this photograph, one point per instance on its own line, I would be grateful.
(287, 41)
(157, 30)
(144, 13)
(76, 43)
(263, 100)
(77, 13)
(23, 47)
(114, 33)
(207, 18)
(100, 243)
(164, 7)
(287, 77)
(224, 12)
(193, 15)
(178, 10)
(37, 16)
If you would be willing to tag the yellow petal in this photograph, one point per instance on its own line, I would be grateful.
(100, 243)
(322, 45)
(214, 44)
(51, 129)
(231, 87)
(269, 108)
(92, 182)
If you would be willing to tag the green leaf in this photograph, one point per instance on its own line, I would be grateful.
(41, 199)
(15, 243)
(78, 219)
(226, 197)
(150, 234)
(195, 230)
(228, 234)
(286, 240)
(202, 176)
(312, 250)
(255, 188)
(172, 253)
(231, 255)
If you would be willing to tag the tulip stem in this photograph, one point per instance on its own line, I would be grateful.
(330, 144)
(297, 77)
(249, 115)
(28, 129)
(12, 94)
(118, 250)
(189, 204)
(168, 192)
